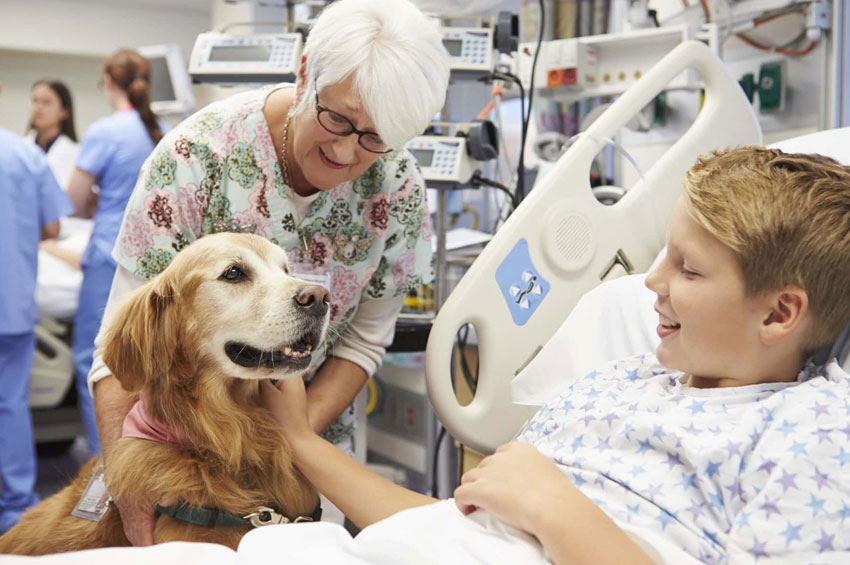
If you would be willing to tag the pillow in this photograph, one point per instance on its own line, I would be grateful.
(616, 319)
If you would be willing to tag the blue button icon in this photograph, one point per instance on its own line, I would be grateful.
(522, 286)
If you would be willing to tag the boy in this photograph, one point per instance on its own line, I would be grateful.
(737, 451)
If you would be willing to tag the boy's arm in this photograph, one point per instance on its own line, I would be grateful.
(363, 496)
(525, 489)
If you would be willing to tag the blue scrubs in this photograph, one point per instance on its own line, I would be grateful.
(113, 150)
(29, 198)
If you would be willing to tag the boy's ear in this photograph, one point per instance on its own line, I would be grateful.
(787, 310)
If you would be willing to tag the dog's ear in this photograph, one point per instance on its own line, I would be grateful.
(143, 334)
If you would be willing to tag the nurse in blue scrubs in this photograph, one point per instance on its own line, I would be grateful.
(111, 155)
(31, 204)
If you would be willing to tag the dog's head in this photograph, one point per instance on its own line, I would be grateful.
(226, 302)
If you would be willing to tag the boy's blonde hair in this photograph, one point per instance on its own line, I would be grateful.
(786, 217)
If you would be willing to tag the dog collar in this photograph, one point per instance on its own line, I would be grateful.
(263, 516)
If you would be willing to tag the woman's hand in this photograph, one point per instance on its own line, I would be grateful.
(138, 521)
(518, 485)
(287, 402)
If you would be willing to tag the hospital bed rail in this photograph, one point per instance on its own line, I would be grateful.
(560, 242)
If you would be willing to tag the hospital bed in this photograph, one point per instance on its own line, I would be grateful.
(565, 241)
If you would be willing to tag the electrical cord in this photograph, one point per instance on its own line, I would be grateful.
(472, 383)
(761, 46)
(478, 180)
(764, 20)
(434, 481)
(781, 49)
(510, 77)
(503, 165)
(520, 189)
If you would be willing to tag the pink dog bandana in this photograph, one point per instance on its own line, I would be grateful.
(138, 424)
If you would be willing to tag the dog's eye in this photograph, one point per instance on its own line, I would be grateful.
(233, 274)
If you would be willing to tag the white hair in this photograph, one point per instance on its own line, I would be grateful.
(397, 58)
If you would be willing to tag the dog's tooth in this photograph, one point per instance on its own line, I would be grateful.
(287, 350)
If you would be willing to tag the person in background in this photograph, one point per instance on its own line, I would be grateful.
(111, 155)
(31, 204)
(318, 168)
(52, 127)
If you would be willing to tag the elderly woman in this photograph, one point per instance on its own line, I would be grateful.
(319, 169)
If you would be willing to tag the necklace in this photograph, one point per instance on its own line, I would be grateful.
(284, 165)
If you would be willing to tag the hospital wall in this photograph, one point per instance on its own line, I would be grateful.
(70, 40)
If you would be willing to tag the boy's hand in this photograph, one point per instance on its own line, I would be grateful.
(287, 402)
(518, 485)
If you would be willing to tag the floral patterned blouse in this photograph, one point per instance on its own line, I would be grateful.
(218, 171)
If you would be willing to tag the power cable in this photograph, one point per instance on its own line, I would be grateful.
(520, 189)
(477, 180)
(434, 481)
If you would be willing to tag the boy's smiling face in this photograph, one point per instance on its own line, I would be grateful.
(709, 326)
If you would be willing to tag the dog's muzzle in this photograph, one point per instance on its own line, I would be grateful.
(295, 355)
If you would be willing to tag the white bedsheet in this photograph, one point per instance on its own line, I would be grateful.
(58, 284)
(437, 534)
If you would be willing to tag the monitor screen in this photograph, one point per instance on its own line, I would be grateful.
(247, 53)
(453, 46)
(171, 87)
(161, 88)
(424, 156)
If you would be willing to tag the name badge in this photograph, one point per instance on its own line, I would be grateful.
(95, 499)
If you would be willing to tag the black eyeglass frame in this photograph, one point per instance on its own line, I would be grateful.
(352, 129)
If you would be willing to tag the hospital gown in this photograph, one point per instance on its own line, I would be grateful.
(732, 475)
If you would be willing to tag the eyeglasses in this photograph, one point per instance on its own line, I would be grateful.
(338, 124)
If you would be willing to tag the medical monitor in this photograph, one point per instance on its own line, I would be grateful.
(171, 87)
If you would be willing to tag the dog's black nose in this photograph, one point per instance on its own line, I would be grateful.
(313, 298)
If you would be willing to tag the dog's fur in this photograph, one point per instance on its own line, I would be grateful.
(173, 341)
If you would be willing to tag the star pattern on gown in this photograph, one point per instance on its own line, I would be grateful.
(764, 470)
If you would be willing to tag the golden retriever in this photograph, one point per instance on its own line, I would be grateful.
(194, 343)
